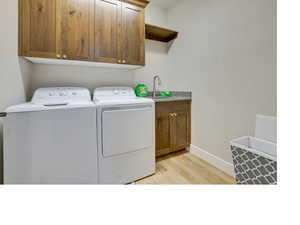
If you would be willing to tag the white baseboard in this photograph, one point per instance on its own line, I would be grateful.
(212, 159)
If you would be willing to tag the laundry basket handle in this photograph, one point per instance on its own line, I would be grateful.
(3, 114)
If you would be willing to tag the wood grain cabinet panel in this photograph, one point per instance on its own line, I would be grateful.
(111, 31)
(133, 34)
(180, 131)
(173, 126)
(163, 135)
(37, 28)
(107, 26)
(75, 17)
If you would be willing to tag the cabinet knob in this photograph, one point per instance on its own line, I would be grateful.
(64, 56)
(173, 114)
(119, 61)
(58, 56)
(124, 61)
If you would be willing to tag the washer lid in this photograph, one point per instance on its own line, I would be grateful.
(32, 107)
(55, 98)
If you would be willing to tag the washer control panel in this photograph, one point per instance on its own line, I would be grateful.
(63, 94)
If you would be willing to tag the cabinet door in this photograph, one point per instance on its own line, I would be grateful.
(133, 34)
(163, 134)
(180, 134)
(75, 17)
(107, 26)
(37, 27)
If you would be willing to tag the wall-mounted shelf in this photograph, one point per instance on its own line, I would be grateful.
(160, 34)
(142, 3)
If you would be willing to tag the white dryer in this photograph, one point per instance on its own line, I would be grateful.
(126, 143)
(52, 139)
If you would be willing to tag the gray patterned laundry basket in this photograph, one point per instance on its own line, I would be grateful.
(254, 161)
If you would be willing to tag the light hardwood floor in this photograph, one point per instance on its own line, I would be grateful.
(185, 168)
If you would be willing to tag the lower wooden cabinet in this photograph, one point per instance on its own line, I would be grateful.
(173, 126)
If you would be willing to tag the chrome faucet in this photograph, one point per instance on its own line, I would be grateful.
(154, 85)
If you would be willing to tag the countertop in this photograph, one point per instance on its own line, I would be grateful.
(176, 96)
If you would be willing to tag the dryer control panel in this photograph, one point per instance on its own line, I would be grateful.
(114, 93)
(63, 94)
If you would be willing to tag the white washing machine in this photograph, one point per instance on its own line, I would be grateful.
(52, 139)
(126, 143)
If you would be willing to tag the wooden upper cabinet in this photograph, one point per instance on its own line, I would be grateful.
(111, 31)
(133, 34)
(107, 27)
(74, 20)
(37, 28)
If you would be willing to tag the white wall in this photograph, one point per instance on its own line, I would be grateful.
(90, 77)
(156, 52)
(156, 15)
(14, 72)
(226, 55)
